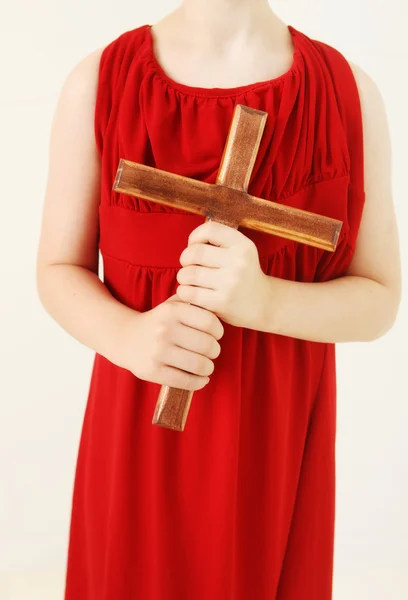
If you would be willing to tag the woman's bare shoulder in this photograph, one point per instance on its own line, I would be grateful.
(82, 79)
(69, 227)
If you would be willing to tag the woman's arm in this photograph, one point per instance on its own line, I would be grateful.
(225, 277)
(362, 305)
(172, 344)
(67, 260)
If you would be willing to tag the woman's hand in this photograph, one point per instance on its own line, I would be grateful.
(225, 277)
(173, 344)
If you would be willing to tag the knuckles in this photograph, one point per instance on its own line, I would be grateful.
(200, 365)
(215, 350)
(187, 275)
(186, 293)
(193, 254)
(212, 325)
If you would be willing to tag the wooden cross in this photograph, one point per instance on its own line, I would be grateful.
(227, 202)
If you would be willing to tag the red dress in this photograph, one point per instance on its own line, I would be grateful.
(241, 504)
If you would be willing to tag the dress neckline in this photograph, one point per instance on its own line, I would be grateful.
(216, 92)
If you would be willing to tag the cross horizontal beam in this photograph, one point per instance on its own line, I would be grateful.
(216, 201)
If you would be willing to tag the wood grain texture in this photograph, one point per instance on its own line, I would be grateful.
(228, 202)
(172, 408)
(241, 148)
(229, 206)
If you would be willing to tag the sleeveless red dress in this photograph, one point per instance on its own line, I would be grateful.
(241, 504)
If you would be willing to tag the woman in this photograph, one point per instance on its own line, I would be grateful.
(241, 504)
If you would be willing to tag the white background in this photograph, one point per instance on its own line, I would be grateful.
(45, 373)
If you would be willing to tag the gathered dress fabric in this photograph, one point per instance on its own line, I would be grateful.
(241, 504)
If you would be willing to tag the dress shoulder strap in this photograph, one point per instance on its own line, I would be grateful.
(350, 110)
(115, 61)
